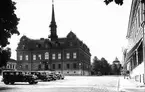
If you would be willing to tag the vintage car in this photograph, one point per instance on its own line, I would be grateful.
(41, 75)
(10, 77)
(59, 76)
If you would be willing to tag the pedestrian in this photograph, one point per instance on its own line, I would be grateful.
(127, 75)
(124, 74)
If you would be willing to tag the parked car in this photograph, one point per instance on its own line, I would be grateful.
(41, 75)
(10, 77)
(59, 76)
(52, 76)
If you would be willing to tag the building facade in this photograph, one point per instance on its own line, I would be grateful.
(133, 56)
(11, 64)
(67, 55)
(116, 67)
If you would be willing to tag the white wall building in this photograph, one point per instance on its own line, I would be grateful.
(134, 55)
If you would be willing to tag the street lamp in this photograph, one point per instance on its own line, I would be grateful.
(143, 25)
(80, 68)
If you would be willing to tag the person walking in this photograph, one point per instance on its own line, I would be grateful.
(127, 75)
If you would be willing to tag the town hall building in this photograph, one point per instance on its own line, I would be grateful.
(67, 55)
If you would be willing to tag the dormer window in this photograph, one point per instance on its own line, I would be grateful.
(23, 46)
(38, 45)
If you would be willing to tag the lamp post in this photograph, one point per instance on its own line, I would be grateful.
(80, 68)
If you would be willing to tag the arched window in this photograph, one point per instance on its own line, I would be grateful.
(46, 55)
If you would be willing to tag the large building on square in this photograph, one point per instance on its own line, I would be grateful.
(67, 55)
(133, 55)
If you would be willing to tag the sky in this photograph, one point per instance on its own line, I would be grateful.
(102, 28)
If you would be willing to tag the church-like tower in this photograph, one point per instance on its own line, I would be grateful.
(53, 27)
(67, 55)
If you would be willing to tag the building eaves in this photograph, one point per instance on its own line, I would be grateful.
(132, 11)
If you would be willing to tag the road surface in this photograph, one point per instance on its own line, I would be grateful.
(69, 84)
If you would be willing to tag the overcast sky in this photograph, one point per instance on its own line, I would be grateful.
(102, 28)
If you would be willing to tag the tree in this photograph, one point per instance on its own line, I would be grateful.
(105, 69)
(119, 2)
(100, 67)
(96, 65)
(8, 27)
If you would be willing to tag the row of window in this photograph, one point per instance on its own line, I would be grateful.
(47, 56)
(54, 66)
(11, 66)
(67, 66)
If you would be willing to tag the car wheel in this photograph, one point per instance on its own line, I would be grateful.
(12, 82)
(35, 82)
(31, 82)
(6, 82)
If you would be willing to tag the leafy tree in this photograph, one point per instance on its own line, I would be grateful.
(8, 27)
(100, 67)
(5, 55)
(105, 69)
(119, 2)
(95, 65)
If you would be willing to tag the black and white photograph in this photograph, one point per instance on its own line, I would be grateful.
(72, 46)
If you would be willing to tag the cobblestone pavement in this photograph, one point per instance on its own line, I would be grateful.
(69, 84)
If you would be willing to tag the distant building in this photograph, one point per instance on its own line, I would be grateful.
(133, 60)
(116, 61)
(11, 64)
(67, 55)
(116, 67)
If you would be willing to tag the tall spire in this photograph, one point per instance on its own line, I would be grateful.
(53, 25)
(53, 15)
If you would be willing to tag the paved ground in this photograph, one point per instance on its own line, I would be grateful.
(69, 84)
(76, 84)
(129, 85)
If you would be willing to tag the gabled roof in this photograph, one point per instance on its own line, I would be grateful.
(71, 35)
(12, 60)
